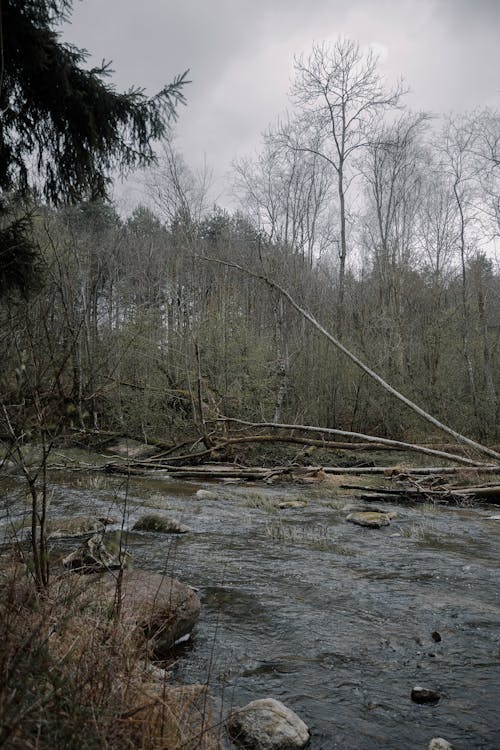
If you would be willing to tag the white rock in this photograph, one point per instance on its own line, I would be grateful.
(267, 724)
(438, 743)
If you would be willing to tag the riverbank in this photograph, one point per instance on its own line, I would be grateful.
(76, 673)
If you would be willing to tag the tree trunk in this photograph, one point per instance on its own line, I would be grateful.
(312, 320)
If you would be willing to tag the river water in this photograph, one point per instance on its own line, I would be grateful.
(337, 621)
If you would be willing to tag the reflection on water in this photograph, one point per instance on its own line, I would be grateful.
(334, 619)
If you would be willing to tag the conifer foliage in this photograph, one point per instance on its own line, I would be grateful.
(63, 127)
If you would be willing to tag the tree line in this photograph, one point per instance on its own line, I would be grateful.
(380, 221)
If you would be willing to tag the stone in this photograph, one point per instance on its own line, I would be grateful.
(206, 495)
(100, 552)
(292, 504)
(356, 508)
(131, 449)
(163, 608)
(153, 522)
(425, 696)
(371, 519)
(267, 724)
(438, 743)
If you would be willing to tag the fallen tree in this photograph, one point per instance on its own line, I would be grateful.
(356, 360)
(394, 444)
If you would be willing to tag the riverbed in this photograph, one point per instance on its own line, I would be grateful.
(337, 621)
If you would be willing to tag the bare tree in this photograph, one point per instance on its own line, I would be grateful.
(456, 148)
(288, 195)
(394, 178)
(486, 149)
(339, 95)
(175, 190)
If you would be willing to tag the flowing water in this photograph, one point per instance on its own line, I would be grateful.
(337, 621)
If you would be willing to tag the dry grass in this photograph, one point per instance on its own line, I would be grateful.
(72, 675)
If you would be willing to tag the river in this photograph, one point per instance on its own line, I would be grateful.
(337, 621)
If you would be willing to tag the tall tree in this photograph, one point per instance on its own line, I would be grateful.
(64, 128)
(339, 94)
(288, 195)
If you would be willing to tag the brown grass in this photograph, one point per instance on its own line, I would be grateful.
(72, 676)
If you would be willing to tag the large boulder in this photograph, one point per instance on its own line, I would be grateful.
(163, 608)
(267, 724)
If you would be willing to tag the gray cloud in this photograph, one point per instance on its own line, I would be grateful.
(240, 55)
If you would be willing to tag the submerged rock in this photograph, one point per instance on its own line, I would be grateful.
(153, 522)
(100, 552)
(425, 696)
(163, 608)
(267, 724)
(438, 743)
(369, 518)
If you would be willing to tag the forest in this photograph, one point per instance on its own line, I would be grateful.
(346, 298)
(134, 314)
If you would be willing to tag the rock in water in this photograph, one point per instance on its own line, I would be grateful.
(424, 695)
(438, 743)
(267, 724)
(206, 495)
(154, 522)
(292, 504)
(163, 608)
(370, 519)
(100, 552)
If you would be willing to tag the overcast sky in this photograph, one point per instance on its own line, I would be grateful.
(240, 55)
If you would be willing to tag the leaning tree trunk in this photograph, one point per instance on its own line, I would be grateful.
(378, 379)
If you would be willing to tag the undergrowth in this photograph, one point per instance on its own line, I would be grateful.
(74, 677)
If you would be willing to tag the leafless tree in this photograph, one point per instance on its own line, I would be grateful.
(177, 191)
(339, 95)
(288, 194)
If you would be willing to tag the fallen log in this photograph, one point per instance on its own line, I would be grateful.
(212, 471)
(368, 438)
(492, 491)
